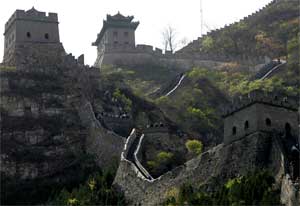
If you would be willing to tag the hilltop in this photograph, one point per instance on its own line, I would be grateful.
(267, 32)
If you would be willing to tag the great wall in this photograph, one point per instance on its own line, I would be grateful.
(114, 52)
(258, 140)
(256, 149)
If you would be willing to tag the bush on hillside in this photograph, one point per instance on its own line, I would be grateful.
(194, 146)
(256, 188)
(97, 190)
(162, 163)
(123, 99)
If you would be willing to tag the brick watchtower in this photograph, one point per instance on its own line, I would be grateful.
(31, 27)
(118, 31)
(259, 111)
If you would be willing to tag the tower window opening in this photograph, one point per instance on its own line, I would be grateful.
(246, 125)
(268, 122)
(27, 110)
(126, 34)
(115, 33)
(46, 36)
(287, 128)
(28, 35)
(234, 130)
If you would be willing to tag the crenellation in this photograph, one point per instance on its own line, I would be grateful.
(143, 47)
(156, 127)
(260, 111)
(275, 99)
(158, 51)
(32, 15)
(26, 27)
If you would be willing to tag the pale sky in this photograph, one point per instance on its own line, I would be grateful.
(80, 21)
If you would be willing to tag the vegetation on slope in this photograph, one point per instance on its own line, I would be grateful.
(255, 188)
(142, 79)
(97, 190)
(266, 33)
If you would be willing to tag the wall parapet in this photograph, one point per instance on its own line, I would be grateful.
(259, 96)
(32, 15)
(157, 53)
(129, 141)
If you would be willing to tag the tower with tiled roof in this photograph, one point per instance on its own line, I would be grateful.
(118, 31)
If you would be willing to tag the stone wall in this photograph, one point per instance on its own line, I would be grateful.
(290, 193)
(30, 26)
(219, 163)
(143, 54)
(251, 113)
(104, 144)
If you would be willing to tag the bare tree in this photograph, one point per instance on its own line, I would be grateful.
(169, 38)
(183, 42)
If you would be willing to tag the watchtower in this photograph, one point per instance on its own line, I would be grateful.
(260, 111)
(118, 31)
(29, 26)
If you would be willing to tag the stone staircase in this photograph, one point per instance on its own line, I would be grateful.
(265, 69)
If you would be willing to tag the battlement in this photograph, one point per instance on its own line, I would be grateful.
(157, 127)
(158, 53)
(262, 97)
(30, 26)
(107, 115)
(31, 15)
(260, 111)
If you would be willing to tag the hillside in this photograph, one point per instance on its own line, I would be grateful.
(61, 121)
(268, 32)
(196, 103)
(207, 131)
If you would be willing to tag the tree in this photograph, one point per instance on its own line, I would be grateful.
(169, 38)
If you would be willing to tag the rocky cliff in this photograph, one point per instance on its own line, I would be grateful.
(44, 143)
(59, 120)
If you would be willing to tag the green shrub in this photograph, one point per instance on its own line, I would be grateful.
(164, 157)
(194, 146)
(123, 99)
(162, 163)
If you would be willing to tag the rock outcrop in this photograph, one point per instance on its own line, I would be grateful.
(47, 126)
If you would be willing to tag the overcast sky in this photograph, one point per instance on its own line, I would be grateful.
(80, 21)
